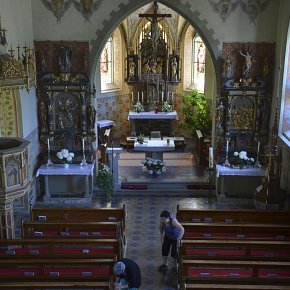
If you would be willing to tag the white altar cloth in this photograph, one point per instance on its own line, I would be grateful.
(251, 171)
(105, 123)
(152, 115)
(222, 171)
(155, 148)
(73, 169)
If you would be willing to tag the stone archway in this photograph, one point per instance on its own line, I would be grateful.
(184, 8)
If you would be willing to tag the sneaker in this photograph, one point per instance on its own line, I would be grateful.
(163, 268)
(174, 270)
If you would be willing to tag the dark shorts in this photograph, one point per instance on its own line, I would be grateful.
(167, 243)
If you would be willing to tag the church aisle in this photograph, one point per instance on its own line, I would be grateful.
(142, 226)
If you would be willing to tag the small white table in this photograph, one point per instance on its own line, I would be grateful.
(73, 170)
(223, 171)
(155, 148)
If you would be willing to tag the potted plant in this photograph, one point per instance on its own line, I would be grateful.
(196, 113)
(105, 181)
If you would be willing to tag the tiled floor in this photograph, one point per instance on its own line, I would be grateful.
(142, 226)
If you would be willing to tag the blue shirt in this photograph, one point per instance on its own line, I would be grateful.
(170, 231)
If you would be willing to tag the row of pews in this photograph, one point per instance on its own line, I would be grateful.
(234, 249)
(64, 248)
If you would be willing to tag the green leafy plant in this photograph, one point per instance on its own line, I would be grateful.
(105, 181)
(140, 139)
(167, 108)
(196, 112)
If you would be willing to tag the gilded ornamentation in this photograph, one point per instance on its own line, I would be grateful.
(8, 113)
(242, 118)
(58, 7)
(11, 68)
(87, 7)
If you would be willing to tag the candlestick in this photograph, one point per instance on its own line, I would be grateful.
(258, 149)
(172, 97)
(138, 96)
(48, 145)
(132, 97)
(142, 97)
(162, 97)
(167, 99)
(257, 163)
(83, 141)
(210, 157)
(84, 162)
(227, 145)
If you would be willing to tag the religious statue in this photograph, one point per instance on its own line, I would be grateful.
(228, 67)
(65, 59)
(91, 117)
(174, 68)
(249, 61)
(43, 117)
(159, 66)
(59, 124)
(132, 66)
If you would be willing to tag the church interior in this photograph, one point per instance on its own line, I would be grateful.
(113, 111)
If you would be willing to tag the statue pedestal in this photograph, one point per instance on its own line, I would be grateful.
(114, 156)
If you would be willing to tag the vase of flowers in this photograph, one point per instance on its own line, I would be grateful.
(105, 181)
(140, 139)
(65, 156)
(241, 160)
(138, 107)
(153, 166)
(166, 107)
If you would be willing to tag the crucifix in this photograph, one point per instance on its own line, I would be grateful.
(154, 18)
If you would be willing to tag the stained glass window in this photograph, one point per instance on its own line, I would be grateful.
(106, 63)
(198, 73)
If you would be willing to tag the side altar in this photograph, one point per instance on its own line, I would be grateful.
(144, 122)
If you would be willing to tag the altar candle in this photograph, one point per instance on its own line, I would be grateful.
(258, 149)
(162, 97)
(167, 99)
(83, 140)
(138, 96)
(48, 145)
(210, 159)
(132, 97)
(172, 97)
(142, 96)
(227, 145)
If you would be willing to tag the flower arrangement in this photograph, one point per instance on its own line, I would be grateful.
(156, 165)
(166, 107)
(138, 107)
(65, 156)
(140, 139)
(241, 160)
(105, 181)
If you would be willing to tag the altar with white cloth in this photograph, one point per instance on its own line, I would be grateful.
(56, 176)
(155, 148)
(153, 121)
(253, 175)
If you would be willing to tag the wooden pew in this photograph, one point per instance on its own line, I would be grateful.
(60, 248)
(217, 230)
(235, 249)
(26, 269)
(79, 214)
(95, 230)
(56, 285)
(210, 286)
(201, 145)
(233, 271)
(227, 216)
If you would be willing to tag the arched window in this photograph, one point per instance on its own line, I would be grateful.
(106, 63)
(198, 73)
(111, 67)
(284, 131)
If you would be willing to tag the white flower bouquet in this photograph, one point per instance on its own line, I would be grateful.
(65, 156)
(166, 107)
(241, 160)
(156, 165)
(138, 107)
